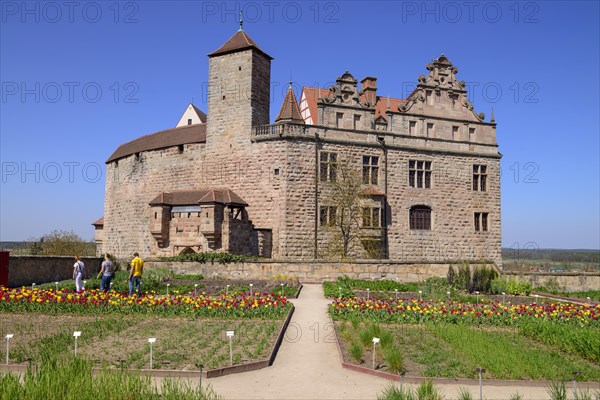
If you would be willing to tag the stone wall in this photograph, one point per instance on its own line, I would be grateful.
(566, 281)
(307, 271)
(276, 176)
(25, 270)
(132, 184)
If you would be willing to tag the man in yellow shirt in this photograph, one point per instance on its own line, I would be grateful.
(135, 274)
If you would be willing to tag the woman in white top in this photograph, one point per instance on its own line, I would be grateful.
(78, 269)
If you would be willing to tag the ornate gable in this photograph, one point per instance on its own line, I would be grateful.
(345, 92)
(442, 81)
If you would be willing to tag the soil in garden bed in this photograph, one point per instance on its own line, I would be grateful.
(181, 343)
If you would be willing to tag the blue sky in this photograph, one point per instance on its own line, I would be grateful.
(78, 79)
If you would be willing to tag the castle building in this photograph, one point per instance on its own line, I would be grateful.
(428, 168)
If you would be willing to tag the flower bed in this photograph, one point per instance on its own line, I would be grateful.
(239, 305)
(494, 313)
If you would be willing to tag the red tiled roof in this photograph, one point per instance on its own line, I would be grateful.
(238, 42)
(312, 95)
(199, 196)
(162, 139)
(99, 222)
(382, 103)
(290, 111)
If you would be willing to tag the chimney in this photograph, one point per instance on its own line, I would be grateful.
(369, 87)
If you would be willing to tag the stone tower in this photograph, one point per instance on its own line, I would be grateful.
(239, 93)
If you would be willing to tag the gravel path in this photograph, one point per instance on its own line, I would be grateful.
(308, 366)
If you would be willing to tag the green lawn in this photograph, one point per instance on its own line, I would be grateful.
(455, 351)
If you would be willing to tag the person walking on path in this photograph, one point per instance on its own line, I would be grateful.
(135, 274)
(107, 273)
(78, 269)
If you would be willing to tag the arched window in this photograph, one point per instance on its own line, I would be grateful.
(187, 250)
(420, 217)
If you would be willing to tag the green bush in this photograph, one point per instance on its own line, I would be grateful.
(72, 379)
(451, 277)
(464, 276)
(393, 392)
(557, 391)
(394, 360)
(464, 394)
(356, 352)
(427, 391)
(347, 286)
(205, 257)
(482, 279)
(510, 286)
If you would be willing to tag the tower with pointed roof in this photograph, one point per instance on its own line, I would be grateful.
(239, 81)
(233, 181)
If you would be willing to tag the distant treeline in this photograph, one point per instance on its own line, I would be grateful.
(55, 243)
(557, 255)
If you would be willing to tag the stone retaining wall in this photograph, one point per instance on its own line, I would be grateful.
(566, 281)
(25, 270)
(307, 270)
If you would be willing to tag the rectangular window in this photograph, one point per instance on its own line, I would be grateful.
(370, 170)
(419, 174)
(328, 167)
(412, 127)
(481, 221)
(429, 130)
(356, 122)
(471, 133)
(371, 217)
(479, 178)
(454, 132)
(338, 119)
(327, 215)
(189, 121)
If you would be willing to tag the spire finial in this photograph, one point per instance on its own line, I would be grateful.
(241, 22)
(493, 119)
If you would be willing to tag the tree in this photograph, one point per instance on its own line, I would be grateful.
(61, 243)
(347, 197)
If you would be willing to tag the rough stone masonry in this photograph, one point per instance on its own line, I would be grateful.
(231, 181)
